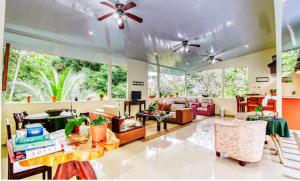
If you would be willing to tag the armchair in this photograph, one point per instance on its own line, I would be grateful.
(240, 140)
(206, 109)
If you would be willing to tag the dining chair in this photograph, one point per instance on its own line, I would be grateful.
(15, 171)
(241, 104)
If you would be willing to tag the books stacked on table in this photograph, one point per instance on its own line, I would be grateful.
(32, 142)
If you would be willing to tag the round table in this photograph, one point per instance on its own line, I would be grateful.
(51, 123)
(75, 162)
(276, 128)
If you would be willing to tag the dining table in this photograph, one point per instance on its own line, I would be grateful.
(276, 128)
(51, 123)
(74, 159)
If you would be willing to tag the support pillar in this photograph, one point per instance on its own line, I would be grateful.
(158, 76)
(278, 7)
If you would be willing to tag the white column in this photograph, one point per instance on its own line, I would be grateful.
(109, 77)
(278, 23)
(158, 76)
(2, 20)
(185, 83)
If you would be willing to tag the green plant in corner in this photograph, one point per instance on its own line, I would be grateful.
(73, 122)
(101, 95)
(99, 121)
(259, 109)
(153, 107)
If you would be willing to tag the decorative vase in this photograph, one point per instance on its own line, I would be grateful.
(28, 99)
(53, 98)
(98, 133)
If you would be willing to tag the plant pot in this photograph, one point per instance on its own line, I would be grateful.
(53, 98)
(101, 98)
(76, 129)
(273, 93)
(98, 133)
(151, 97)
(28, 99)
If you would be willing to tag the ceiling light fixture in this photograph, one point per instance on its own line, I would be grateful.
(228, 23)
(91, 33)
(246, 46)
(119, 21)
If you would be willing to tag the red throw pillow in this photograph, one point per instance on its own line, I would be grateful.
(167, 107)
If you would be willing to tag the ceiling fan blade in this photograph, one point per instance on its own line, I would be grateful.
(129, 6)
(109, 5)
(219, 59)
(194, 45)
(134, 17)
(203, 55)
(105, 16)
(121, 26)
(177, 49)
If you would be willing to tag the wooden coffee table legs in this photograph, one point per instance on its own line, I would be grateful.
(81, 169)
(276, 140)
(159, 125)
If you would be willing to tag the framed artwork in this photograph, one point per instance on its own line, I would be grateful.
(287, 79)
(262, 79)
(138, 83)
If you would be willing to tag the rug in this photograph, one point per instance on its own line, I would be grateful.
(291, 155)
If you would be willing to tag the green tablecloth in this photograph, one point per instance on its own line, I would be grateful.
(275, 126)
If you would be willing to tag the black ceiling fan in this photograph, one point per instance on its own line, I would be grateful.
(120, 13)
(212, 56)
(185, 46)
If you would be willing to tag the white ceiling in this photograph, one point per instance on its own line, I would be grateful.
(227, 26)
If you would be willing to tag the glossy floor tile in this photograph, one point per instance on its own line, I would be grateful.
(187, 153)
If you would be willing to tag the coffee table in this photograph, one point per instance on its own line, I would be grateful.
(146, 116)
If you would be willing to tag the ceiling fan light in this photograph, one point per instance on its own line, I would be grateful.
(181, 49)
(119, 21)
(116, 15)
(186, 49)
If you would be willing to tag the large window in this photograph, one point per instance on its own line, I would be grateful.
(119, 82)
(152, 80)
(235, 81)
(289, 60)
(41, 76)
(171, 81)
(207, 82)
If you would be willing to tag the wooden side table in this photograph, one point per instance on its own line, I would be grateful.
(129, 103)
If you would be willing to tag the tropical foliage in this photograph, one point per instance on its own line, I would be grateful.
(289, 60)
(236, 81)
(42, 76)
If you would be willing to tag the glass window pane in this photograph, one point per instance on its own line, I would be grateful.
(41, 76)
(289, 60)
(152, 80)
(171, 82)
(119, 82)
(207, 82)
(236, 81)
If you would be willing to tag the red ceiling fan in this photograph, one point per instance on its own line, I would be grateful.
(120, 13)
(185, 46)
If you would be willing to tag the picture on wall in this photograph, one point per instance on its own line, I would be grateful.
(287, 79)
(262, 79)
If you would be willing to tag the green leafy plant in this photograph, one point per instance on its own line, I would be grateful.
(272, 90)
(153, 107)
(73, 122)
(101, 94)
(258, 109)
(99, 121)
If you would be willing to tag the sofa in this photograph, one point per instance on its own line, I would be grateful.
(240, 140)
(126, 130)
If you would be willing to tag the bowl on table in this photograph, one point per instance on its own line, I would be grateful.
(54, 112)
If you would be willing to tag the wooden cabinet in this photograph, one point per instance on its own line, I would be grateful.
(252, 102)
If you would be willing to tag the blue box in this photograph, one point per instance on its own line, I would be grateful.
(34, 129)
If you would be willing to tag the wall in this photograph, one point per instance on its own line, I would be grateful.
(137, 71)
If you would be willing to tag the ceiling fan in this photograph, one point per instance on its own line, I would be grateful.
(184, 46)
(120, 13)
(211, 56)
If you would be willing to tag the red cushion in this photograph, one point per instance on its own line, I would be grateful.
(167, 107)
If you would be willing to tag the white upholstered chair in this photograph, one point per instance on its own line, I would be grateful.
(240, 140)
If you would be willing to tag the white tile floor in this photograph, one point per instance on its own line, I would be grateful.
(187, 153)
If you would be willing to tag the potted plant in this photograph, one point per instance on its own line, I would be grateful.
(98, 129)
(177, 94)
(152, 107)
(259, 109)
(101, 95)
(273, 92)
(53, 98)
(73, 125)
